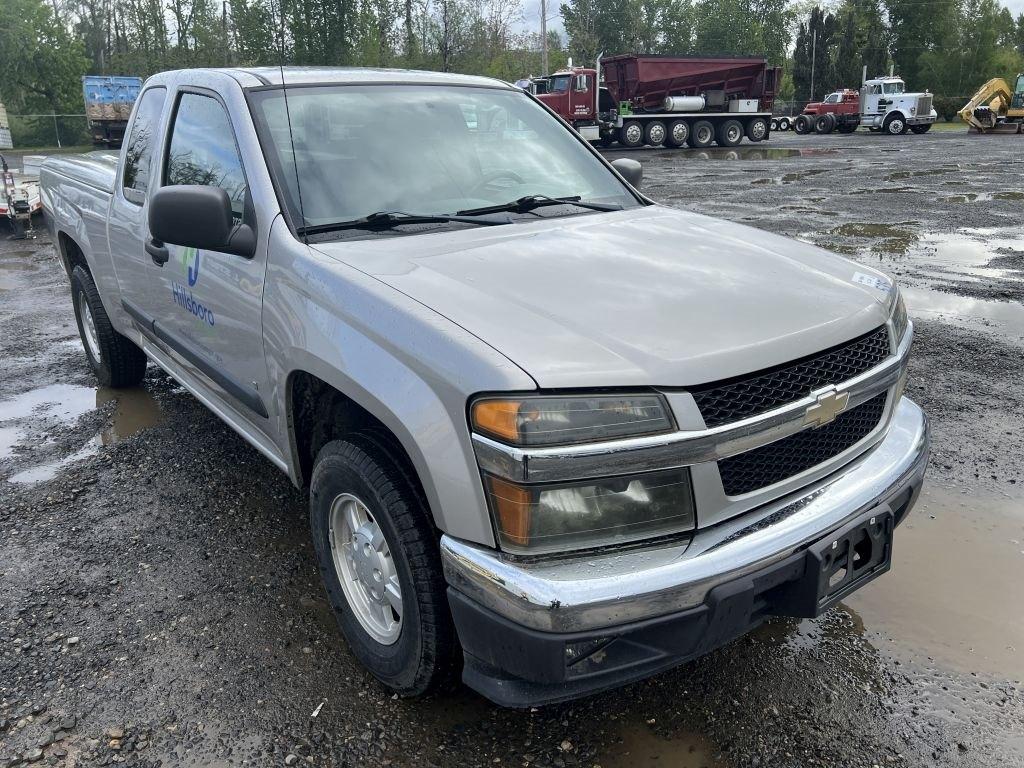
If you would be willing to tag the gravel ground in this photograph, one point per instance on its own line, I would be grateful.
(160, 605)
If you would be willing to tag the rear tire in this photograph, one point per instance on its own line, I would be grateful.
(802, 124)
(370, 523)
(678, 133)
(730, 133)
(655, 133)
(701, 135)
(785, 123)
(113, 358)
(631, 134)
(919, 129)
(757, 129)
(825, 123)
(847, 128)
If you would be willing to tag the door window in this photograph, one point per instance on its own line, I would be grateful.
(202, 150)
(138, 152)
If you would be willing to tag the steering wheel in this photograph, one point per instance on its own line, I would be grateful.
(493, 177)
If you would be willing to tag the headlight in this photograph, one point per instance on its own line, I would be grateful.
(898, 315)
(542, 421)
(546, 518)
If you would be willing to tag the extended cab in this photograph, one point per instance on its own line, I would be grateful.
(556, 437)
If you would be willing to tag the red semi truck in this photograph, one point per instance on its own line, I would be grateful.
(666, 100)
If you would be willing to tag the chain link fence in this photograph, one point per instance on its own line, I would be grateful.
(48, 131)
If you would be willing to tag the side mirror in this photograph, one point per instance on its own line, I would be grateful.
(630, 170)
(198, 217)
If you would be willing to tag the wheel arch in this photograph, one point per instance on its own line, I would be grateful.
(323, 404)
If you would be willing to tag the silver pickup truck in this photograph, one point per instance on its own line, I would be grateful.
(556, 437)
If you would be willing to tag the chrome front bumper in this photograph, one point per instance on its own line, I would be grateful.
(592, 591)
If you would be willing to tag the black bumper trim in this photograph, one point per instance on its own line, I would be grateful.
(516, 666)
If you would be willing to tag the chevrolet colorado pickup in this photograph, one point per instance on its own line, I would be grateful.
(556, 437)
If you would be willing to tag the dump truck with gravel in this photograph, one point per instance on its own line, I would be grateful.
(671, 101)
(555, 436)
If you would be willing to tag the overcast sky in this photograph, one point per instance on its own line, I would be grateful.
(531, 14)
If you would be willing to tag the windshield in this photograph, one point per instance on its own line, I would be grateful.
(894, 87)
(423, 150)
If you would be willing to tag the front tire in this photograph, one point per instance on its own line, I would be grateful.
(371, 528)
(631, 134)
(894, 125)
(113, 358)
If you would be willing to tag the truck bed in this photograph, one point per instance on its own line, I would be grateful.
(94, 169)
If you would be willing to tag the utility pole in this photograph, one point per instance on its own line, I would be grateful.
(814, 50)
(224, 31)
(544, 37)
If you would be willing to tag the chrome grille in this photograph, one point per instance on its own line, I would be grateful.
(924, 105)
(737, 399)
(792, 455)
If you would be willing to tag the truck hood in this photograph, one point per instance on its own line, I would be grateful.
(643, 297)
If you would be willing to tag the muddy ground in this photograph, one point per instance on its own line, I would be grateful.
(159, 604)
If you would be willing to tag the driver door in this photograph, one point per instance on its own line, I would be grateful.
(210, 314)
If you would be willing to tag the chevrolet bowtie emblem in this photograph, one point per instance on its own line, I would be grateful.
(829, 405)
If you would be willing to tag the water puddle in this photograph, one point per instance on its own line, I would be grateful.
(954, 592)
(135, 411)
(977, 253)
(930, 304)
(745, 153)
(64, 402)
(642, 746)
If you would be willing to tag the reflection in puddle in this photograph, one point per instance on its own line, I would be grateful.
(931, 304)
(135, 411)
(954, 591)
(641, 746)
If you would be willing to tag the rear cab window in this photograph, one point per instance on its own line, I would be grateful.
(138, 154)
(202, 150)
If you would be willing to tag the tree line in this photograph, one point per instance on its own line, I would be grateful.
(947, 46)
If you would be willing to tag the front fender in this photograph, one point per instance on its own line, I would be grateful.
(406, 365)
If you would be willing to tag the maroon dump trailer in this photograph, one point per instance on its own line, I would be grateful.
(667, 100)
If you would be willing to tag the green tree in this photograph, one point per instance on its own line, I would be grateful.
(42, 63)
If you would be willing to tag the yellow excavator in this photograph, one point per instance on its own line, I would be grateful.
(995, 108)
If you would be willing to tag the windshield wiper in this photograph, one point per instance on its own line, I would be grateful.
(528, 203)
(391, 219)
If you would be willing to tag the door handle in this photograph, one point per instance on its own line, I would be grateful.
(157, 252)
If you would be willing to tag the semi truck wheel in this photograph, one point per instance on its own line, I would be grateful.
(757, 129)
(847, 128)
(919, 129)
(379, 559)
(631, 134)
(894, 125)
(825, 123)
(802, 124)
(113, 358)
(702, 134)
(730, 133)
(655, 133)
(678, 133)
(775, 124)
(785, 124)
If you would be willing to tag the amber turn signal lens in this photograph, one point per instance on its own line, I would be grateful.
(513, 505)
(498, 417)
